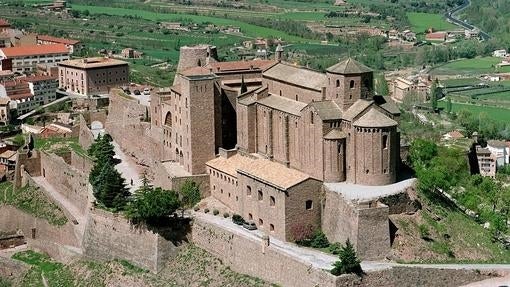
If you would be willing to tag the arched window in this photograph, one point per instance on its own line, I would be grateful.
(351, 85)
(271, 227)
(337, 83)
(248, 190)
(385, 141)
(272, 201)
(168, 119)
(260, 195)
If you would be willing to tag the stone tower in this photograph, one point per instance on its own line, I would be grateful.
(196, 56)
(279, 53)
(349, 81)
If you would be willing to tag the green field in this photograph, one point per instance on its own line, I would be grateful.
(498, 114)
(247, 29)
(474, 66)
(420, 22)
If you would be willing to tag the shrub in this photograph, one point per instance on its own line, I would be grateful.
(206, 210)
(238, 219)
(319, 240)
(216, 212)
(348, 263)
(424, 231)
(226, 215)
(335, 248)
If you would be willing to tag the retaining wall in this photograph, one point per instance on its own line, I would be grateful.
(86, 138)
(109, 236)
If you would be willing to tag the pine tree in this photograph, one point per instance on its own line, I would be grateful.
(110, 188)
(434, 94)
(348, 263)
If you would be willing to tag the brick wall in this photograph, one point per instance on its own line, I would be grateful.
(109, 236)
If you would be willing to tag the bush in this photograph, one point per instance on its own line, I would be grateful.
(335, 248)
(206, 210)
(319, 240)
(238, 219)
(348, 263)
(424, 231)
(216, 212)
(226, 215)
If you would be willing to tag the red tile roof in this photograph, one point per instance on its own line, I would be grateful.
(241, 65)
(4, 23)
(34, 50)
(57, 40)
(37, 78)
(436, 36)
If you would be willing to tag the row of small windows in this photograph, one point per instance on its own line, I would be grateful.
(223, 177)
(261, 222)
(272, 200)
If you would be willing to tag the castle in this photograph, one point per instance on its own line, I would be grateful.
(271, 135)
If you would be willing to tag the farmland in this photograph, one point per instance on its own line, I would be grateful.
(420, 22)
(499, 114)
(474, 66)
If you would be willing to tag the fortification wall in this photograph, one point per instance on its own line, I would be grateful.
(365, 225)
(134, 136)
(165, 180)
(81, 163)
(109, 236)
(85, 137)
(68, 181)
(59, 242)
(248, 256)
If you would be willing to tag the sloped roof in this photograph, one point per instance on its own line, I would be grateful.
(48, 38)
(496, 144)
(282, 104)
(240, 65)
(34, 50)
(335, 134)
(375, 119)
(327, 110)
(274, 173)
(387, 104)
(298, 76)
(349, 66)
(230, 165)
(356, 108)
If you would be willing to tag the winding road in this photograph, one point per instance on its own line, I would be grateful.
(453, 18)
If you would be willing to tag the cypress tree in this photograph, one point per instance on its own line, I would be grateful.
(348, 263)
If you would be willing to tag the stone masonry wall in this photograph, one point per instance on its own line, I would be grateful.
(81, 163)
(109, 236)
(86, 138)
(247, 256)
(68, 181)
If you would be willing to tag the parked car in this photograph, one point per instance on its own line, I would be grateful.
(250, 225)
(137, 92)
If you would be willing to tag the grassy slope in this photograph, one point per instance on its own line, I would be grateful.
(498, 114)
(468, 67)
(420, 22)
(247, 29)
(191, 267)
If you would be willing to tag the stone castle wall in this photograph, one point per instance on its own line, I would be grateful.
(247, 256)
(81, 163)
(366, 225)
(134, 136)
(109, 236)
(85, 138)
(57, 241)
(68, 181)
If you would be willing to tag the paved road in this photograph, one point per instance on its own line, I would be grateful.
(24, 116)
(127, 168)
(451, 16)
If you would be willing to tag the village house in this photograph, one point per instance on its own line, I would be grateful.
(501, 152)
(27, 93)
(499, 53)
(130, 53)
(8, 158)
(486, 162)
(401, 88)
(24, 59)
(92, 76)
(436, 36)
(72, 45)
(453, 135)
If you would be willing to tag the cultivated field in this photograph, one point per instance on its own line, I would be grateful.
(421, 22)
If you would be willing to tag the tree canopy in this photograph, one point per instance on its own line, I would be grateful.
(348, 263)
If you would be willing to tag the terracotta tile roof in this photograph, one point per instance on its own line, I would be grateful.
(282, 104)
(387, 104)
(274, 174)
(496, 144)
(230, 165)
(375, 119)
(349, 66)
(7, 154)
(89, 63)
(356, 108)
(34, 50)
(195, 71)
(335, 134)
(298, 76)
(436, 36)
(4, 101)
(37, 78)
(21, 96)
(64, 41)
(327, 110)
(240, 65)
(455, 134)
